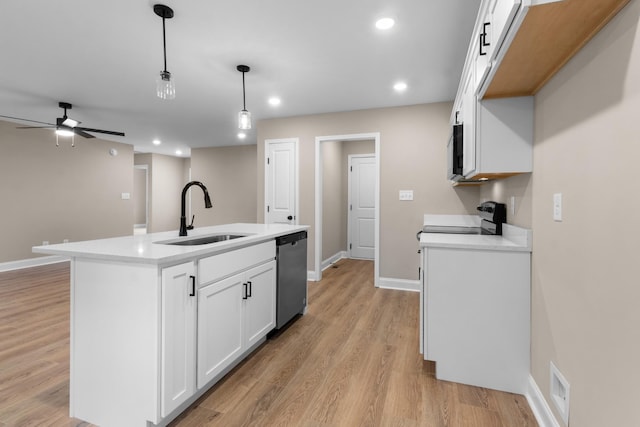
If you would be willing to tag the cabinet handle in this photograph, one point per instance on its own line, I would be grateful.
(483, 38)
(193, 286)
(250, 288)
(484, 34)
(244, 291)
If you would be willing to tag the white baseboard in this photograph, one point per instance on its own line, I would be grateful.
(31, 262)
(311, 276)
(332, 260)
(539, 406)
(399, 284)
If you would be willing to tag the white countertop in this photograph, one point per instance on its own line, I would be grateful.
(512, 239)
(144, 249)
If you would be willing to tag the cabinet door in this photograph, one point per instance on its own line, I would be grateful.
(220, 326)
(178, 336)
(469, 125)
(260, 305)
(501, 14)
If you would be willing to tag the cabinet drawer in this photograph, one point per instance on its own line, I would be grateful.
(218, 266)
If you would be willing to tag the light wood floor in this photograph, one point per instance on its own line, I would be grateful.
(352, 360)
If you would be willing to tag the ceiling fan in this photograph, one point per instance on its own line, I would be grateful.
(65, 125)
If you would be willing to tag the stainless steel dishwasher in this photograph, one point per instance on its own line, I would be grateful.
(291, 258)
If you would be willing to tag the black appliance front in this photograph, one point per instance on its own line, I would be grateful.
(291, 282)
(457, 149)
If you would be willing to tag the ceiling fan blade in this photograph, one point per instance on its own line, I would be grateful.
(82, 133)
(35, 127)
(108, 132)
(27, 120)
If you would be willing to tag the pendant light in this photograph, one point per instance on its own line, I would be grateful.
(244, 117)
(165, 84)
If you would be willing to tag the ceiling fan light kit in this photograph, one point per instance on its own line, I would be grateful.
(65, 126)
(165, 83)
(244, 116)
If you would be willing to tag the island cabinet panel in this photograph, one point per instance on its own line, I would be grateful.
(260, 304)
(220, 324)
(178, 346)
(115, 342)
(234, 314)
(223, 265)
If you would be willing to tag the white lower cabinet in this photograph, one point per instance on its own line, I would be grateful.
(234, 314)
(178, 342)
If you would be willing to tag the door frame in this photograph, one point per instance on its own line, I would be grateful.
(318, 199)
(350, 196)
(145, 167)
(296, 144)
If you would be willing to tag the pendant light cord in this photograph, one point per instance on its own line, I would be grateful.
(244, 102)
(164, 45)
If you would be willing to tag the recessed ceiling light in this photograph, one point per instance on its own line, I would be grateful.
(179, 152)
(242, 135)
(385, 23)
(274, 101)
(157, 142)
(400, 86)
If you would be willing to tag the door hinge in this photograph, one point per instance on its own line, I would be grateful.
(350, 207)
(350, 246)
(267, 160)
(351, 168)
(267, 209)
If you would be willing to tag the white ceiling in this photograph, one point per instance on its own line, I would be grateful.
(318, 57)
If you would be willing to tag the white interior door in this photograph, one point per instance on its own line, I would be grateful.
(281, 181)
(362, 206)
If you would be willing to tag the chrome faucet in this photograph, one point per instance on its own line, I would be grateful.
(183, 217)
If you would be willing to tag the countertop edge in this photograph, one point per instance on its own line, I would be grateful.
(172, 254)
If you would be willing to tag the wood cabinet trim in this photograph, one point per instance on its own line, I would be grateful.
(550, 35)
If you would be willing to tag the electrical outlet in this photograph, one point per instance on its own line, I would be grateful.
(557, 207)
(45, 242)
(559, 390)
(126, 196)
(65, 241)
(406, 195)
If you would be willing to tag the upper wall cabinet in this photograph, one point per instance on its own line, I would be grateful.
(540, 37)
(517, 46)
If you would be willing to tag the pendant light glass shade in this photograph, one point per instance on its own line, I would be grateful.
(244, 120)
(244, 116)
(165, 86)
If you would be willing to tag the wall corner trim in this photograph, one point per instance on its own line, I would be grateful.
(539, 406)
(31, 262)
(399, 284)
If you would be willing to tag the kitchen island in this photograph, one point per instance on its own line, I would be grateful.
(155, 323)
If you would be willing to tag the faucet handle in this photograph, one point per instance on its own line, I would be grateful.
(190, 226)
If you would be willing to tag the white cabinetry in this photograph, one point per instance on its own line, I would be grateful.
(234, 314)
(178, 343)
(494, 145)
(147, 340)
(476, 319)
(220, 318)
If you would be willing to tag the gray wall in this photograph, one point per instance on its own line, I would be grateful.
(167, 177)
(585, 290)
(229, 173)
(55, 193)
(412, 156)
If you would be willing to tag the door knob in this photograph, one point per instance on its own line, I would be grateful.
(289, 217)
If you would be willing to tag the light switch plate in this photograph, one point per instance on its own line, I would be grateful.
(557, 207)
(406, 195)
(126, 196)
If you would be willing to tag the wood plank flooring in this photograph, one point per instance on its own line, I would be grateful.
(352, 360)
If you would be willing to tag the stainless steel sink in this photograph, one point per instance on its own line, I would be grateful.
(202, 240)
